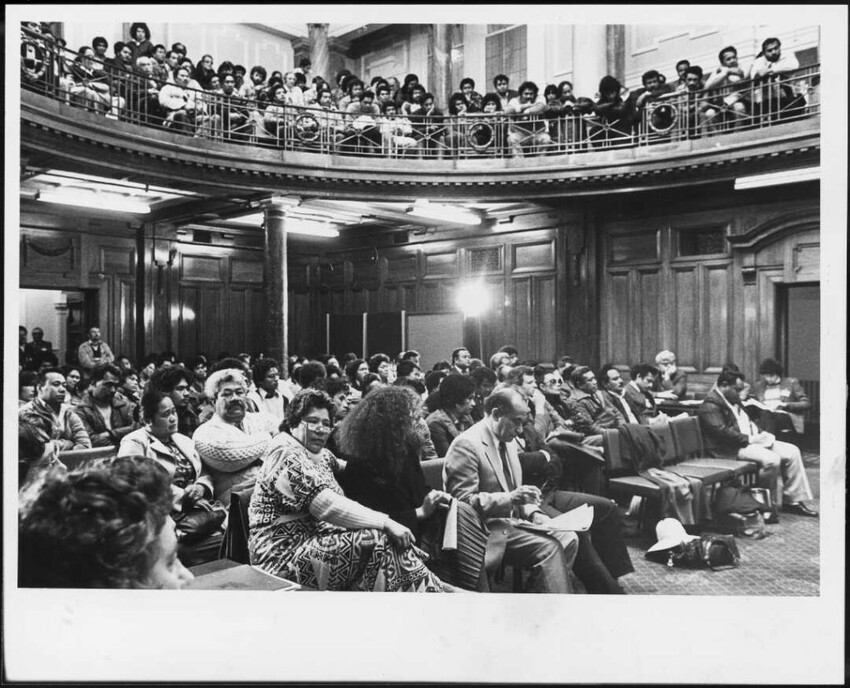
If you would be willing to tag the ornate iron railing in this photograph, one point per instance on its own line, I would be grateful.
(127, 96)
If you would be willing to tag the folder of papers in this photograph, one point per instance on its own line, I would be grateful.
(577, 520)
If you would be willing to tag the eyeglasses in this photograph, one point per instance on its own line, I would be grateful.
(316, 425)
(554, 381)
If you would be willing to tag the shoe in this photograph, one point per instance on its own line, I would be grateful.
(801, 509)
(771, 518)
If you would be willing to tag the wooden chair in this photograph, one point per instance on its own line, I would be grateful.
(689, 446)
(433, 471)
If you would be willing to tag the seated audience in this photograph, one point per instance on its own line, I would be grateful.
(184, 111)
(268, 395)
(783, 396)
(613, 386)
(729, 106)
(728, 431)
(382, 446)
(472, 97)
(638, 393)
(191, 484)
(88, 87)
(611, 111)
(27, 383)
(502, 91)
(37, 456)
(107, 416)
(233, 441)
(303, 528)
(598, 411)
(106, 526)
(355, 371)
(457, 399)
(460, 361)
(94, 351)
(140, 40)
(130, 386)
(671, 383)
(176, 381)
(777, 93)
(66, 428)
(380, 364)
(396, 130)
(74, 385)
(526, 129)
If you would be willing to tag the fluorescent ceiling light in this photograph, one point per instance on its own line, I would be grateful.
(95, 201)
(452, 214)
(805, 174)
(293, 226)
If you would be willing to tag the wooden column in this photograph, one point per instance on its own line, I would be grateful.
(276, 280)
(319, 52)
(139, 321)
(439, 64)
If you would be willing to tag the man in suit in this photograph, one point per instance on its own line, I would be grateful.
(460, 361)
(728, 431)
(483, 470)
(612, 384)
(38, 347)
(638, 393)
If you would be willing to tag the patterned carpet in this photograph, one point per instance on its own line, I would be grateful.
(785, 563)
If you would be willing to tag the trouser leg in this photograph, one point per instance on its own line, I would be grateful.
(546, 556)
(796, 483)
(602, 555)
(768, 462)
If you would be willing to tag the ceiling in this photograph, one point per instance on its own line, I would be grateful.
(91, 195)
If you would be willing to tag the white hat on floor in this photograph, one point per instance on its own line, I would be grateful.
(670, 533)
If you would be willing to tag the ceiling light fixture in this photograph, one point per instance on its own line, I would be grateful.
(451, 214)
(293, 226)
(805, 174)
(94, 201)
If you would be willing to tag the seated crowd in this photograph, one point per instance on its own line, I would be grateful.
(151, 84)
(331, 454)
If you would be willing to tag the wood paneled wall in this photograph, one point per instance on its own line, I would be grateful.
(522, 275)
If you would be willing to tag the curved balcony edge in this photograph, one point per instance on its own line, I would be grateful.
(76, 136)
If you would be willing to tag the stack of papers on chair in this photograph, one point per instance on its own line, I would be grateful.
(577, 520)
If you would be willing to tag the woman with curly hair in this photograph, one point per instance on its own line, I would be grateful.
(380, 365)
(140, 40)
(105, 526)
(457, 399)
(381, 442)
(304, 528)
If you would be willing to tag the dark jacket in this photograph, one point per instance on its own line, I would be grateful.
(719, 427)
(444, 428)
(642, 405)
(678, 383)
(397, 498)
(121, 419)
(595, 413)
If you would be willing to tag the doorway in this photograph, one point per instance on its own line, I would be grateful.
(64, 315)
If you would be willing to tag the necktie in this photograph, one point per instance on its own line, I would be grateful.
(503, 453)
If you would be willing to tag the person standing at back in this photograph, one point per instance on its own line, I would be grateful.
(94, 351)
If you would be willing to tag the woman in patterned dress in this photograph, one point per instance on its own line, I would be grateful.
(303, 528)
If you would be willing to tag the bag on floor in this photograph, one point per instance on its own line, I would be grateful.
(738, 500)
(714, 552)
(749, 525)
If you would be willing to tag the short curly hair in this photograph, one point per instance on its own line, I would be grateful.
(305, 401)
(97, 527)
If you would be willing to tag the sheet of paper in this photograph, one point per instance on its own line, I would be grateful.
(577, 520)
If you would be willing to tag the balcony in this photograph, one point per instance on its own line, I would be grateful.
(229, 143)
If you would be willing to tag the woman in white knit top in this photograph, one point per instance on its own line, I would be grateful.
(303, 528)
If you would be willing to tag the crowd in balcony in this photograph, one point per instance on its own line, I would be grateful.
(148, 83)
(331, 454)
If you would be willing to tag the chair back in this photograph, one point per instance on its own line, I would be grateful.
(617, 464)
(234, 546)
(665, 433)
(432, 469)
(687, 436)
(75, 458)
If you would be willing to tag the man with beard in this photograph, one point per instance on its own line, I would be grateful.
(233, 442)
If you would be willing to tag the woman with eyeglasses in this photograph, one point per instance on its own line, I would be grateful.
(303, 528)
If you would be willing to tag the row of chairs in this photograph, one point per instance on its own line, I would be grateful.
(684, 454)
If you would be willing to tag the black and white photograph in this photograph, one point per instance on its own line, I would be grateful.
(546, 317)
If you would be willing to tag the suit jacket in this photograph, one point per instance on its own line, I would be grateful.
(678, 383)
(642, 405)
(143, 443)
(474, 475)
(720, 430)
(595, 413)
(616, 403)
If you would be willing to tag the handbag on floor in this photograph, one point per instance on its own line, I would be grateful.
(714, 552)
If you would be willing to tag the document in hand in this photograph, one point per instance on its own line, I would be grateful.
(578, 520)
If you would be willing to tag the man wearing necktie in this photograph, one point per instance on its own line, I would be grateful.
(483, 470)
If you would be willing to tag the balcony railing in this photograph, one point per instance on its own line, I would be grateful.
(81, 81)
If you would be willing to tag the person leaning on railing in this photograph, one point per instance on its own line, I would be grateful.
(183, 110)
(526, 130)
(89, 89)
